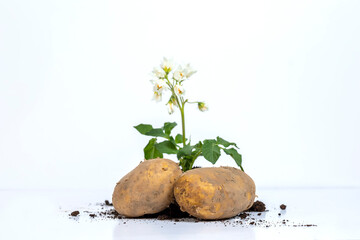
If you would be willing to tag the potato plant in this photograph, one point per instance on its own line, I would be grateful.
(171, 79)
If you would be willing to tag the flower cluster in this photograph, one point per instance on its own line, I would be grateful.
(169, 77)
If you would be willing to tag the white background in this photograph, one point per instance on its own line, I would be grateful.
(281, 78)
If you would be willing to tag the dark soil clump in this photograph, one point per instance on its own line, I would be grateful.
(112, 214)
(282, 206)
(74, 213)
(243, 215)
(258, 206)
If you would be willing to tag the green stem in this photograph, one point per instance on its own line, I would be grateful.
(183, 122)
(181, 107)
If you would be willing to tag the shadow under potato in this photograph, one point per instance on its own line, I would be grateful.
(174, 212)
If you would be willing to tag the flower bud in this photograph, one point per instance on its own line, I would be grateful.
(202, 106)
(170, 105)
(173, 100)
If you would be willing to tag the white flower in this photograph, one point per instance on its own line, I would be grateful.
(188, 71)
(202, 106)
(179, 74)
(157, 96)
(170, 105)
(159, 73)
(167, 65)
(159, 85)
(179, 90)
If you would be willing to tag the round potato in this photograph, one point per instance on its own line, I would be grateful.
(214, 193)
(147, 189)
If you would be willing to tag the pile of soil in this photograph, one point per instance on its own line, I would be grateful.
(257, 206)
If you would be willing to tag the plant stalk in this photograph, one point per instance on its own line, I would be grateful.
(183, 123)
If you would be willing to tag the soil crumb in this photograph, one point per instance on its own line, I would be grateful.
(74, 213)
(243, 215)
(258, 206)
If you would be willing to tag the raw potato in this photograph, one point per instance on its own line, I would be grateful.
(147, 189)
(214, 193)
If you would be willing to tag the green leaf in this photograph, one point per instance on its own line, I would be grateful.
(185, 157)
(166, 147)
(143, 128)
(148, 130)
(185, 151)
(196, 152)
(186, 163)
(198, 145)
(211, 151)
(188, 154)
(225, 143)
(150, 150)
(172, 140)
(179, 138)
(168, 126)
(156, 132)
(235, 155)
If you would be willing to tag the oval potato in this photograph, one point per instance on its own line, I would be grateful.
(214, 193)
(147, 189)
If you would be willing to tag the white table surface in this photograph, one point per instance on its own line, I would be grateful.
(43, 214)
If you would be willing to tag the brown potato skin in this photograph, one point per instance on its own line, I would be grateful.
(214, 193)
(147, 189)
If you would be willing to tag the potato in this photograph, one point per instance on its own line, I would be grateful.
(214, 193)
(147, 189)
